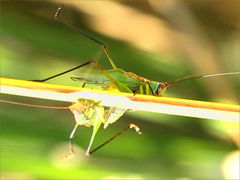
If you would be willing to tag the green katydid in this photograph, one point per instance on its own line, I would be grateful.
(119, 79)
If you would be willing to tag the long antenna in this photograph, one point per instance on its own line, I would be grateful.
(104, 47)
(201, 76)
(34, 105)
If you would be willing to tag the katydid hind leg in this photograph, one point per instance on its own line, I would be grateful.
(103, 46)
(130, 126)
(64, 72)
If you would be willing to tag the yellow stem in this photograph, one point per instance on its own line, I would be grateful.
(166, 105)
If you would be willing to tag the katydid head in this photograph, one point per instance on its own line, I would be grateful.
(161, 88)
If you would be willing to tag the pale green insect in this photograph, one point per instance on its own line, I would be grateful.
(89, 113)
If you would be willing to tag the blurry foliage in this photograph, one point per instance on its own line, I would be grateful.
(34, 46)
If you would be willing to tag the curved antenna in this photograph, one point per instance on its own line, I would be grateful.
(201, 76)
(104, 47)
(33, 105)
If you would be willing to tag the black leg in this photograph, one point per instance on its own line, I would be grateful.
(130, 126)
(65, 72)
(103, 46)
(70, 70)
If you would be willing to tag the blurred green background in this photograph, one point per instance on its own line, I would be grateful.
(159, 40)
